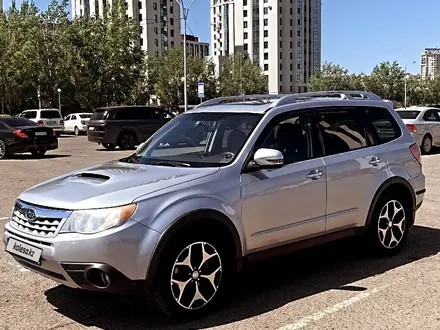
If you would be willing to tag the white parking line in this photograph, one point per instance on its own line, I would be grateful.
(332, 309)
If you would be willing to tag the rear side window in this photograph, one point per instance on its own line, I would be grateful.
(100, 114)
(341, 131)
(384, 127)
(408, 114)
(48, 114)
(133, 114)
(29, 114)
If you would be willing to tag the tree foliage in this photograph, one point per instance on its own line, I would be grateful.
(239, 76)
(387, 80)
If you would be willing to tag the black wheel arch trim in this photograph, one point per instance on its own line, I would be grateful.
(185, 220)
(385, 185)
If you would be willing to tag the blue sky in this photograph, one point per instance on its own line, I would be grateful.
(356, 34)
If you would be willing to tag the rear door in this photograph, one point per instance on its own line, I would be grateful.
(432, 125)
(352, 163)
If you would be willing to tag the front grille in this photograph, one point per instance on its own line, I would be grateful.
(37, 220)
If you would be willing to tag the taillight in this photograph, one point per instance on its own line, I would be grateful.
(54, 133)
(411, 128)
(83, 122)
(415, 150)
(20, 134)
(61, 122)
(40, 122)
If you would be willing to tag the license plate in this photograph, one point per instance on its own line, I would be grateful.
(40, 133)
(52, 122)
(24, 250)
(91, 128)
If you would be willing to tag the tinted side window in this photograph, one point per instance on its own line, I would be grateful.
(384, 127)
(430, 115)
(133, 114)
(30, 115)
(290, 135)
(341, 131)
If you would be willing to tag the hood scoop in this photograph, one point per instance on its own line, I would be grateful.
(90, 177)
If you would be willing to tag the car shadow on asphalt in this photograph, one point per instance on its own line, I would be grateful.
(263, 287)
(30, 157)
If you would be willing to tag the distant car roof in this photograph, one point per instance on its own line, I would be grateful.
(416, 108)
(122, 107)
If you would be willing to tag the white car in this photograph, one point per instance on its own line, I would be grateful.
(77, 123)
(46, 117)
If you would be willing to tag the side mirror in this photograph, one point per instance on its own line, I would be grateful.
(268, 158)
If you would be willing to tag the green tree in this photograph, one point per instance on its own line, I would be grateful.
(165, 77)
(239, 75)
(331, 77)
(387, 80)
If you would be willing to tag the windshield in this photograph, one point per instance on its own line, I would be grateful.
(18, 122)
(47, 114)
(85, 116)
(408, 114)
(99, 114)
(198, 140)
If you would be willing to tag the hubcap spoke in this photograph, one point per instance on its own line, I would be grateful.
(391, 224)
(196, 275)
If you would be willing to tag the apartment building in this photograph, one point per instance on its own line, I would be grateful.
(430, 63)
(283, 37)
(1, 5)
(158, 20)
(195, 47)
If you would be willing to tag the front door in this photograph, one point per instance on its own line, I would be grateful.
(283, 205)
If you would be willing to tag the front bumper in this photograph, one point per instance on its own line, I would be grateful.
(123, 252)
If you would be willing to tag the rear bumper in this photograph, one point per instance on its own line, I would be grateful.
(99, 137)
(28, 146)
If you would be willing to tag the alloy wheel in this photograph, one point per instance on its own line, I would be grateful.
(427, 144)
(2, 149)
(128, 141)
(392, 224)
(196, 275)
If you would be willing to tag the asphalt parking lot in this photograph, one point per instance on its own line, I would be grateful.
(332, 287)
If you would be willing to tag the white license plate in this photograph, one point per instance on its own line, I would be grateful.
(91, 128)
(40, 133)
(24, 250)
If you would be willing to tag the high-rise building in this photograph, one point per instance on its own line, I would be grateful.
(195, 47)
(1, 5)
(159, 21)
(283, 37)
(430, 63)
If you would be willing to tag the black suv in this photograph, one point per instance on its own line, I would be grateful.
(125, 126)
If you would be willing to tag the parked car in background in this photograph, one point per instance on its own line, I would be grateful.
(20, 135)
(77, 123)
(46, 117)
(424, 125)
(125, 126)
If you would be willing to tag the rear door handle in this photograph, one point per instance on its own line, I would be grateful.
(375, 161)
(315, 174)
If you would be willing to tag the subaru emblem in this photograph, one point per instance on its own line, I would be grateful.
(30, 215)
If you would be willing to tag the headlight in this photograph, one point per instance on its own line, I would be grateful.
(94, 221)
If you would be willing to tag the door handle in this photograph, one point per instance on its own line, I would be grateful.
(375, 161)
(315, 174)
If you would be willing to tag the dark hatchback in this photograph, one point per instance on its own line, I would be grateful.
(20, 135)
(125, 126)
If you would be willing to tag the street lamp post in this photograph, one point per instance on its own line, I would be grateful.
(406, 84)
(185, 12)
(39, 99)
(59, 98)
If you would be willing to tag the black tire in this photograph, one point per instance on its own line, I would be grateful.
(386, 223)
(38, 153)
(127, 141)
(3, 150)
(426, 144)
(164, 293)
(109, 146)
(76, 131)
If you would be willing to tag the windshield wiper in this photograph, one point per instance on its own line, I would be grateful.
(167, 163)
(131, 159)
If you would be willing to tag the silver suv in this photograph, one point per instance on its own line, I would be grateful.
(231, 181)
